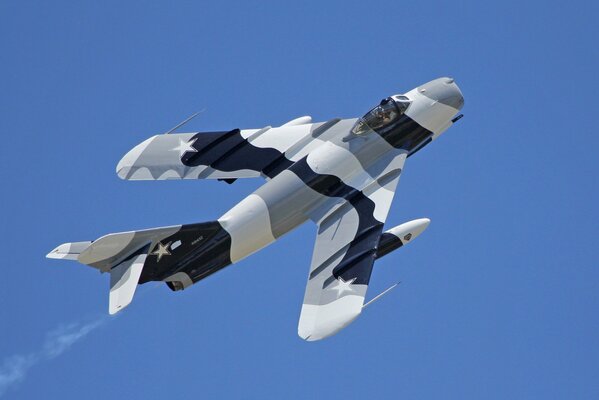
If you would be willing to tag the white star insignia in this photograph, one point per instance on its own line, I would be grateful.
(161, 251)
(343, 286)
(184, 147)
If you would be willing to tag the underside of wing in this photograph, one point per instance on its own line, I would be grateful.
(344, 255)
(223, 155)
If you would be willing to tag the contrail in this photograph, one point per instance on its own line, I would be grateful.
(14, 368)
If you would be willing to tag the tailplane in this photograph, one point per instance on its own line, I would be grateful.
(68, 251)
(179, 255)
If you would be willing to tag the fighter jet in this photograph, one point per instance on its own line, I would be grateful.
(340, 174)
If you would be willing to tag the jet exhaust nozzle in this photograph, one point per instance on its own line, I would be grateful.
(400, 235)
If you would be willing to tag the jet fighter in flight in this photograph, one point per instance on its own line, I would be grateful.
(340, 174)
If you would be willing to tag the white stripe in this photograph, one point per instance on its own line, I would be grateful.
(382, 198)
(321, 321)
(248, 223)
(429, 113)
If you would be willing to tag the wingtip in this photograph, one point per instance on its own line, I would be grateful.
(112, 309)
(320, 321)
(126, 163)
(59, 252)
(68, 251)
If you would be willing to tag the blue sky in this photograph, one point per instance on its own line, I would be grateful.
(499, 297)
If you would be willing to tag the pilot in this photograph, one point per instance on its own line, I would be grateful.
(386, 115)
(381, 113)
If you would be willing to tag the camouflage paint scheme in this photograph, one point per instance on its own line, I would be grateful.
(340, 174)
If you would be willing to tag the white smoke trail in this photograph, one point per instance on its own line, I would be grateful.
(14, 368)
(62, 338)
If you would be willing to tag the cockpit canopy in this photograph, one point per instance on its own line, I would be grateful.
(382, 116)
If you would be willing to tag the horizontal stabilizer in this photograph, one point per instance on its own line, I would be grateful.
(136, 257)
(111, 250)
(69, 251)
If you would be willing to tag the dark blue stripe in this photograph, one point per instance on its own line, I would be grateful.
(359, 258)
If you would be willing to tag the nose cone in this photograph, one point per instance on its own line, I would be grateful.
(445, 91)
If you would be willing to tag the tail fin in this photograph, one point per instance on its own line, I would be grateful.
(122, 254)
(161, 254)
